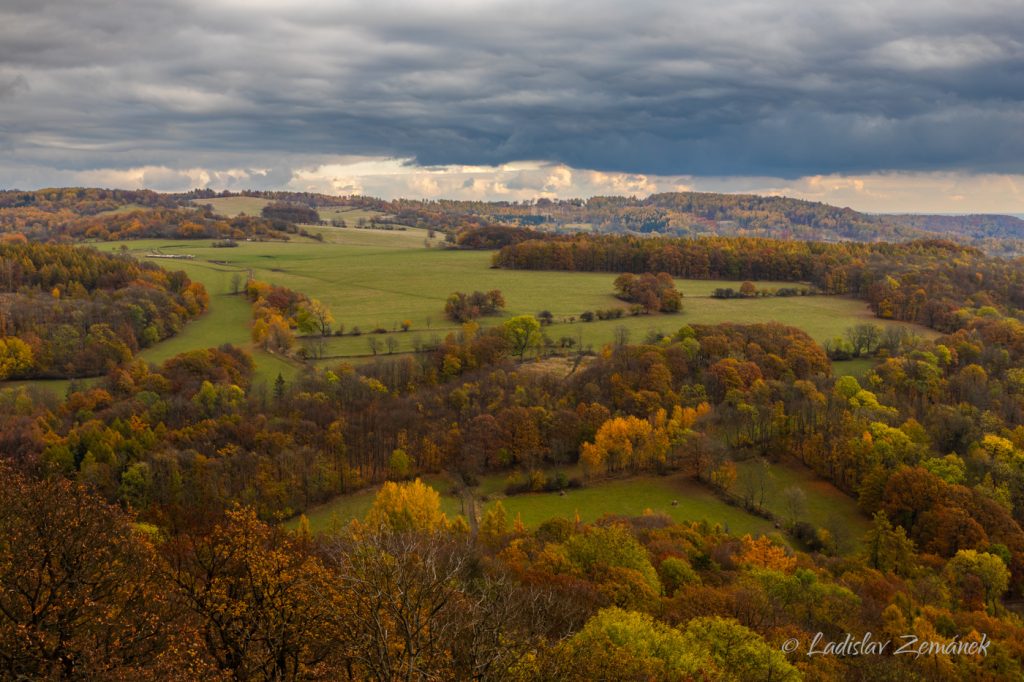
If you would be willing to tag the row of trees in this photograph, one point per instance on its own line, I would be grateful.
(140, 223)
(751, 290)
(290, 212)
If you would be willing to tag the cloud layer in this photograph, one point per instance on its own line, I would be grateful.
(266, 93)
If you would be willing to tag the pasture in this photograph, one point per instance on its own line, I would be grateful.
(226, 320)
(635, 496)
(629, 496)
(344, 508)
(253, 206)
(234, 206)
(858, 367)
(375, 280)
(825, 506)
(674, 495)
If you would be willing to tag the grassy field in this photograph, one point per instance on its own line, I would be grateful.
(233, 206)
(632, 497)
(126, 208)
(375, 280)
(349, 214)
(674, 495)
(857, 367)
(410, 237)
(826, 506)
(226, 320)
(344, 508)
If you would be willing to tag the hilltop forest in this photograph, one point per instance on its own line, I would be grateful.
(80, 213)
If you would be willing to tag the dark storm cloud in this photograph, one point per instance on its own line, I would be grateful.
(743, 88)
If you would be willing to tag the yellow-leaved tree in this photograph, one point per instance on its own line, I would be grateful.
(764, 553)
(15, 356)
(624, 443)
(407, 506)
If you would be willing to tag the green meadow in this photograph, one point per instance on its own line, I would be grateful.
(858, 367)
(234, 206)
(676, 496)
(825, 506)
(344, 508)
(226, 320)
(633, 497)
(376, 280)
(628, 496)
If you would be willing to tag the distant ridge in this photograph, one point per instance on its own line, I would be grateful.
(975, 225)
(95, 213)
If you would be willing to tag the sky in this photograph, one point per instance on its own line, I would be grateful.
(884, 106)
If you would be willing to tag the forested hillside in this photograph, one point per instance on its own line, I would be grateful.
(681, 214)
(927, 443)
(95, 214)
(143, 515)
(73, 312)
(119, 214)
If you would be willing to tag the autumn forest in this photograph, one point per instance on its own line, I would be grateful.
(158, 519)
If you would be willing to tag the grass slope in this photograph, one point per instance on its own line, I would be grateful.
(344, 508)
(233, 206)
(375, 279)
(226, 320)
(632, 497)
(826, 506)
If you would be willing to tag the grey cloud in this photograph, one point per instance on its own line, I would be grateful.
(779, 89)
(12, 87)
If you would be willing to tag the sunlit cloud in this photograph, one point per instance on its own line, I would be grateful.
(390, 178)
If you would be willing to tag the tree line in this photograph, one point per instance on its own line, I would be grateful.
(935, 283)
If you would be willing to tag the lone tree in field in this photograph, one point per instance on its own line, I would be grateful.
(523, 333)
(794, 501)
